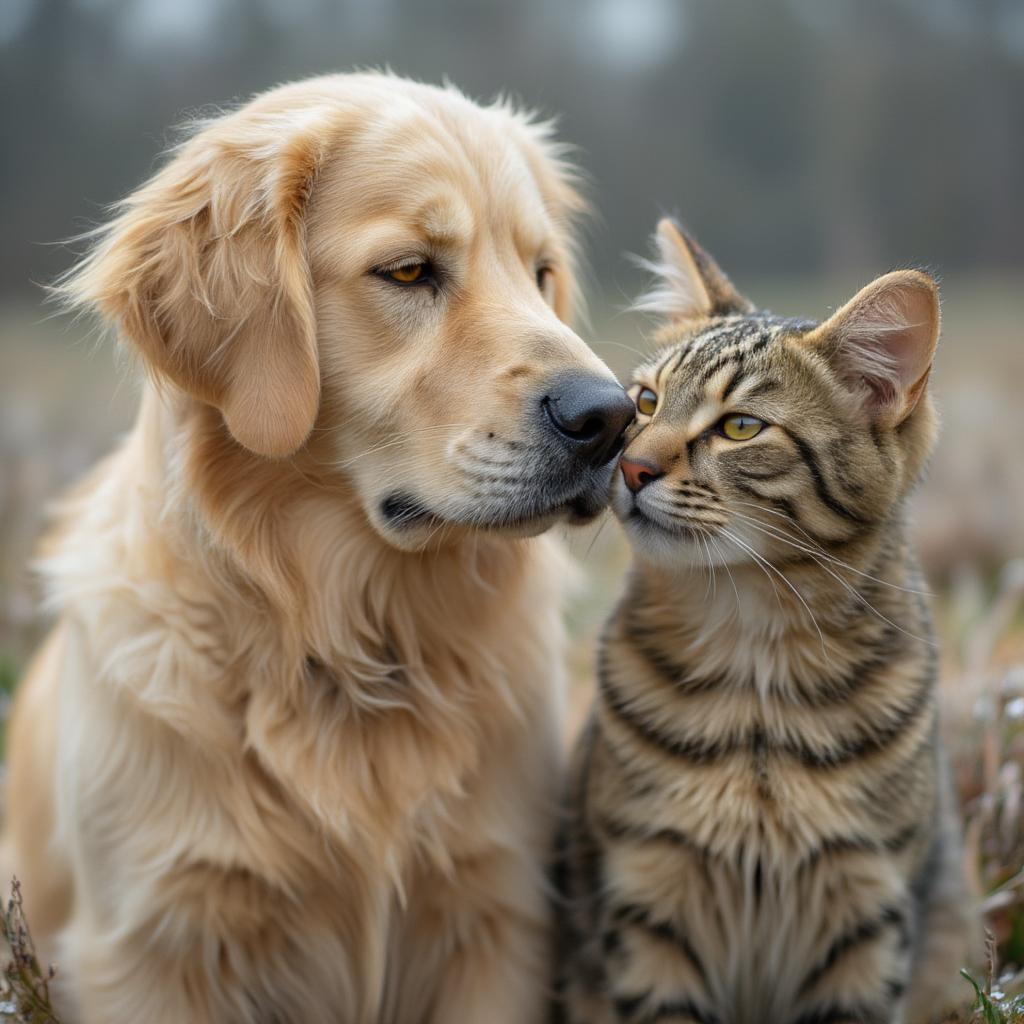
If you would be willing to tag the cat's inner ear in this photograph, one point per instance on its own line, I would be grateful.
(883, 340)
(689, 283)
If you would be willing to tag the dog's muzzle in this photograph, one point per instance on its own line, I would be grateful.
(588, 414)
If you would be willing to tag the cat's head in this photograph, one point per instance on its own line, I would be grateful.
(758, 436)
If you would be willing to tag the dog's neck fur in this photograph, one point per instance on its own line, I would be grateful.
(360, 645)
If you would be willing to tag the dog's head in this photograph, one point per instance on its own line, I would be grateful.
(377, 275)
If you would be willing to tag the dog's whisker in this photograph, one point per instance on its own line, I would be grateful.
(395, 440)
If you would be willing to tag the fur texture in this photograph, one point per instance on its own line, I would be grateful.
(759, 827)
(287, 755)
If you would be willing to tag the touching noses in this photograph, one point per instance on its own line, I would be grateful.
(638, 474)
(590, 414)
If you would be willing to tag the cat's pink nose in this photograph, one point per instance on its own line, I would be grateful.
(638, 474)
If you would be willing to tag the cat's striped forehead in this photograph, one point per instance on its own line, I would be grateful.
(725, 340)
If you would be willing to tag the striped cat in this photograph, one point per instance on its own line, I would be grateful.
(759, 829)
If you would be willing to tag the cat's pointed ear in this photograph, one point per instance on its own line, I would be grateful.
(883, 340)
(689, 283)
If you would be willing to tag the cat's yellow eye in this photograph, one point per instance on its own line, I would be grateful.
(741, 427)
(409, 274)
(646, 402)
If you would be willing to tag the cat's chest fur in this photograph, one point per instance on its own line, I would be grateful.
(751, 794)
(746, 733)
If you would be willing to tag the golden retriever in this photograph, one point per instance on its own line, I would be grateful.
(291, 750)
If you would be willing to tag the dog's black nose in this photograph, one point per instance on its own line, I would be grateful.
(590, 414)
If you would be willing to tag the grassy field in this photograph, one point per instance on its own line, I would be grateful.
(63, 400)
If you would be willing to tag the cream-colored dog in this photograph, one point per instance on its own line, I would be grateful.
(290, 752)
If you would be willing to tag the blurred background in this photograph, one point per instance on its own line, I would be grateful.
(810, 145)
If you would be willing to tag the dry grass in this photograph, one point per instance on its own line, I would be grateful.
(983, 700)
(25, 984)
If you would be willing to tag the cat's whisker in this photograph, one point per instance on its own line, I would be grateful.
(818, 552)
(854, 593)
(826, 554)
(711, 567)
(688, 518)
(727, 535)
(761, 559)
(628, 348)
(709, 589)
(725, 565)
(782, 515)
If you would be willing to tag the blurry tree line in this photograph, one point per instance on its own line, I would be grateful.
(793, 136)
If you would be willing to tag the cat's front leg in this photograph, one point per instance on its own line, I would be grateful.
(862, 974)
(654, 970)
(832, 1014)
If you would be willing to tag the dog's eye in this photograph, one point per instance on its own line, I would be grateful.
(544, 278)
(408, 273)
(415, 272)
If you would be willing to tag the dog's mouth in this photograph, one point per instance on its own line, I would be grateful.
(404, 511)
(399, 509)
(514, 489)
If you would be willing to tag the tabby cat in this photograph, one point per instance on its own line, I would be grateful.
(759, 829)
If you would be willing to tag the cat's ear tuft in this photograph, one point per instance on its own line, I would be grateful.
(689, 283)
(882, 342)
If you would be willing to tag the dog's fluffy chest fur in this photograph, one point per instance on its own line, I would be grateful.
(329, 781)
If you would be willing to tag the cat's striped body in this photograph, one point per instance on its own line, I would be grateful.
(758, 831)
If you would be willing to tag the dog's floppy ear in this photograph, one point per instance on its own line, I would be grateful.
(204, 271)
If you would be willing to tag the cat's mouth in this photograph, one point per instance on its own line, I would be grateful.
(665, 528)
(676, 528)
(654, 508)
